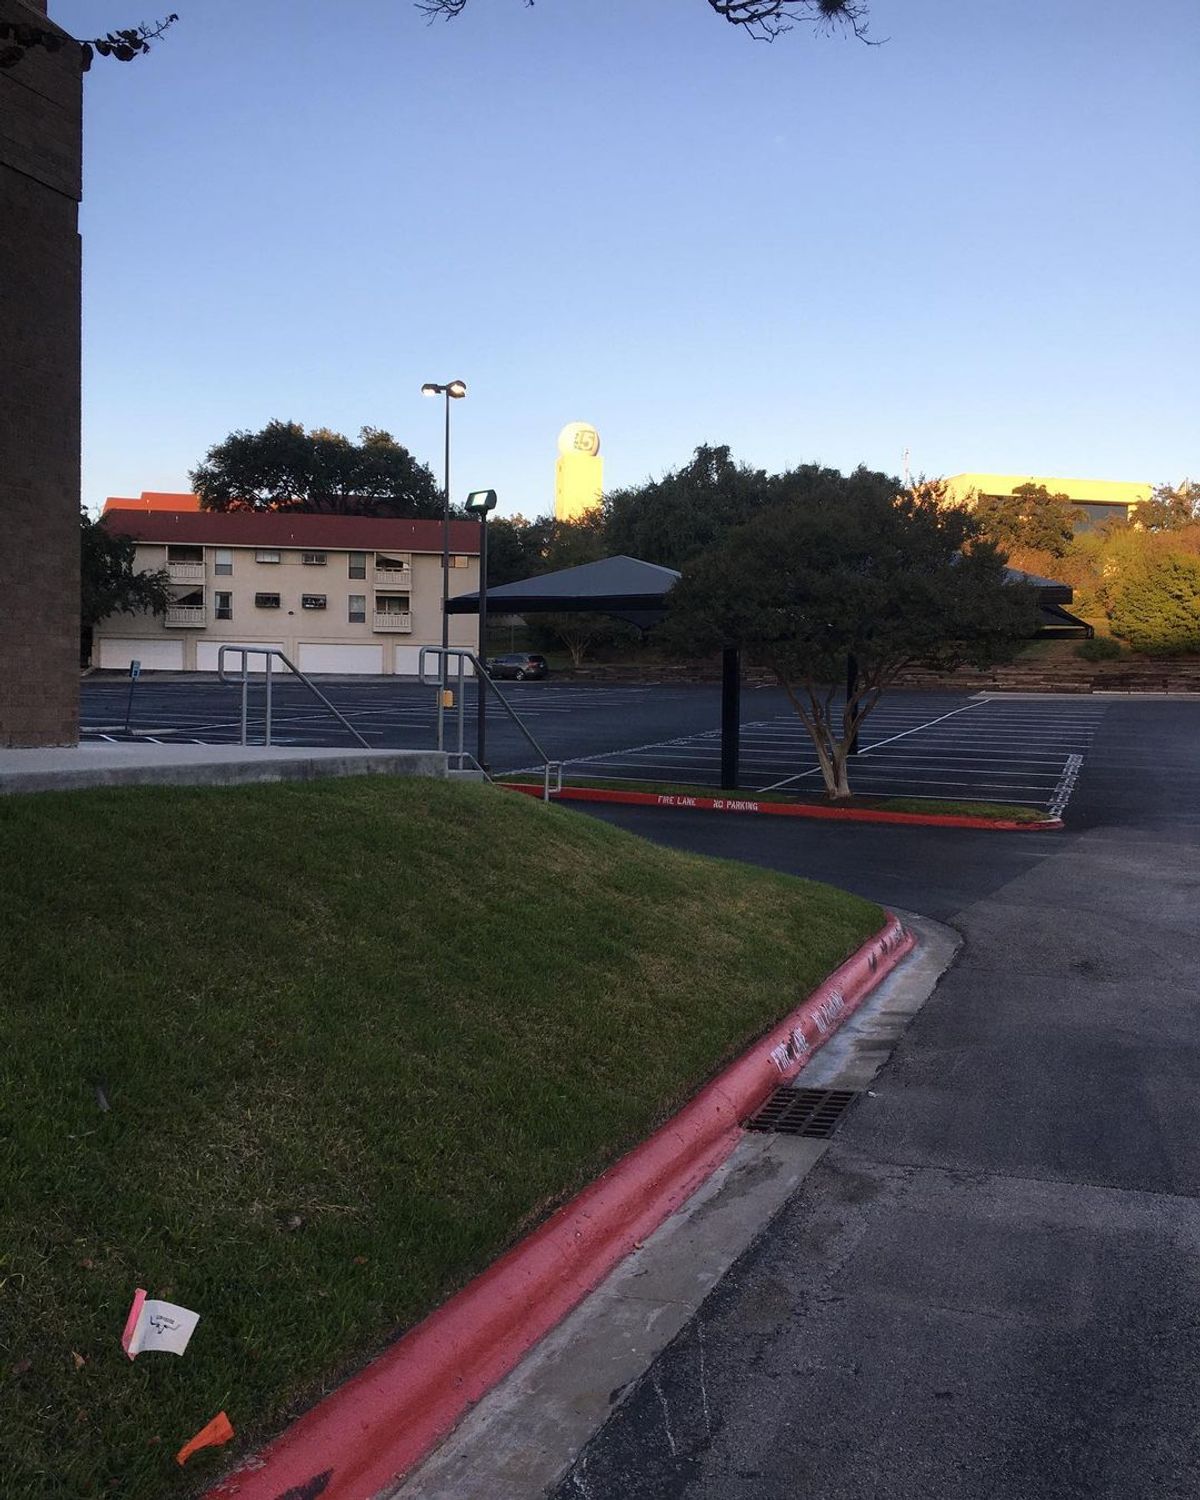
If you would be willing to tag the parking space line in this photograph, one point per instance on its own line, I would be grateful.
(879, 744)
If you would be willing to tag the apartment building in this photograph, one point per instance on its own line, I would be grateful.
(343, 594)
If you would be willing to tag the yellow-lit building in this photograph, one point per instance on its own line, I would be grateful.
(579, 472)
(1099, 499)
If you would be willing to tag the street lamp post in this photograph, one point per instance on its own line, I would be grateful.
(479, 503)
(454, 390)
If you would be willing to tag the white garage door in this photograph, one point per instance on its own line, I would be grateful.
(155, 656)
(341, 659)
(408, 659)
(206, 656)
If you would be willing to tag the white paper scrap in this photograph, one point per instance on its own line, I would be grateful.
(154, 1325)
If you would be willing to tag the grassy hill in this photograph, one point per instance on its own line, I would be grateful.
(305, 1058)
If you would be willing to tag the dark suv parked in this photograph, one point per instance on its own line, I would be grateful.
(519, 665)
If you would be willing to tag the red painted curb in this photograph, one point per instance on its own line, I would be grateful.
(777, 809)
(372, 1430)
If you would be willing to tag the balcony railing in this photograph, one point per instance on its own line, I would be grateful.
(393, 620)
(192, 572)
(393, 578)
(185, 614)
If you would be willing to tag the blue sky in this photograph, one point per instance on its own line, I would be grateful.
(977, 241)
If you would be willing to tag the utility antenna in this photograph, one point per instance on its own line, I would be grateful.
(907, 476)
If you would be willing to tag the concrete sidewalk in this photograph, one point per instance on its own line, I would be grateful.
(146, 764)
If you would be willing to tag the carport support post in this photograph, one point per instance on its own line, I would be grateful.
(731, 687)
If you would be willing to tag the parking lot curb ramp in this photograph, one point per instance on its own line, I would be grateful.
(371, 1431)
(745, 804)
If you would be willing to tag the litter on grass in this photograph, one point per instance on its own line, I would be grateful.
(211, 1435)
(157, 1325)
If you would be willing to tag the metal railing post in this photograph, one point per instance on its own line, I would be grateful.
(462, 706)
(485, 685)
(270, 652)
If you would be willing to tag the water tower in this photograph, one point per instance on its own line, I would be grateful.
(579, 472)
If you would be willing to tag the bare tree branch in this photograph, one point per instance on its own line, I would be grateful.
(762, 19)
(19, 37)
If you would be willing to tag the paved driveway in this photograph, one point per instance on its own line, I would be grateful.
(990, 1287)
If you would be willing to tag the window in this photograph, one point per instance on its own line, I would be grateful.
(358, 609)
(391, 604)
(358, 565)
(460, 562)
(313, 559)
(266, 601)
(266, 555)
(312, 601)
(222, 606)
(176, 554)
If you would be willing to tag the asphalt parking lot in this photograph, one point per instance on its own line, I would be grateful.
(916, 744)
(987, 1288)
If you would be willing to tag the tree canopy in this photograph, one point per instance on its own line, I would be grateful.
(672, 519)
(851, 568)
(1157, 610)
(1169, 508)
(1031, 517)
(285, 468)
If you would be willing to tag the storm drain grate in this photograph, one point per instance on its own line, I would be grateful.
(811, 1112)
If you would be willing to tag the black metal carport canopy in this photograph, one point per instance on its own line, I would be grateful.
(626, 587)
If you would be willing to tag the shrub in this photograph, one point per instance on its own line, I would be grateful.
(1099, 648)
(1159, 611)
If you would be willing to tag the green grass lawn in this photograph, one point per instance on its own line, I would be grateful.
(1005, 811)
(355, 1036)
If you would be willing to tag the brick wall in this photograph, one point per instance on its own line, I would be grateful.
(40, 155)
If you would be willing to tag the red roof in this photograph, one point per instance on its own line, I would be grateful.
(153, 500)
(243, 528)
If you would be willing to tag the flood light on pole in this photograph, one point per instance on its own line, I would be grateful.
(479, 502)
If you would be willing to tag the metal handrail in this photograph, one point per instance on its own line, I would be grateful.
(481, 676)
(270, 652)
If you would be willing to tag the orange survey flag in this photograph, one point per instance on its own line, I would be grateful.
(218, 1431)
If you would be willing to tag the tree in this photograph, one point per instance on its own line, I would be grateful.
(511, 549)
(762, 19)
(1170, 508)
(285, 468)
(672, 519)
(1030, 518)
(109, 585)
(1158, 610)
(851, 569)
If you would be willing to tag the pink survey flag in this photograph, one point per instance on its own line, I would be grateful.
(157, 1325)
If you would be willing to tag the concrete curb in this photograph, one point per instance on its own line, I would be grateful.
(781, 809)
(79, 767)
(377, 1426)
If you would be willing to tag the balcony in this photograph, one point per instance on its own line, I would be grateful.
(395, 620)
(185, 615)
(185, 572)
(393, 578)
